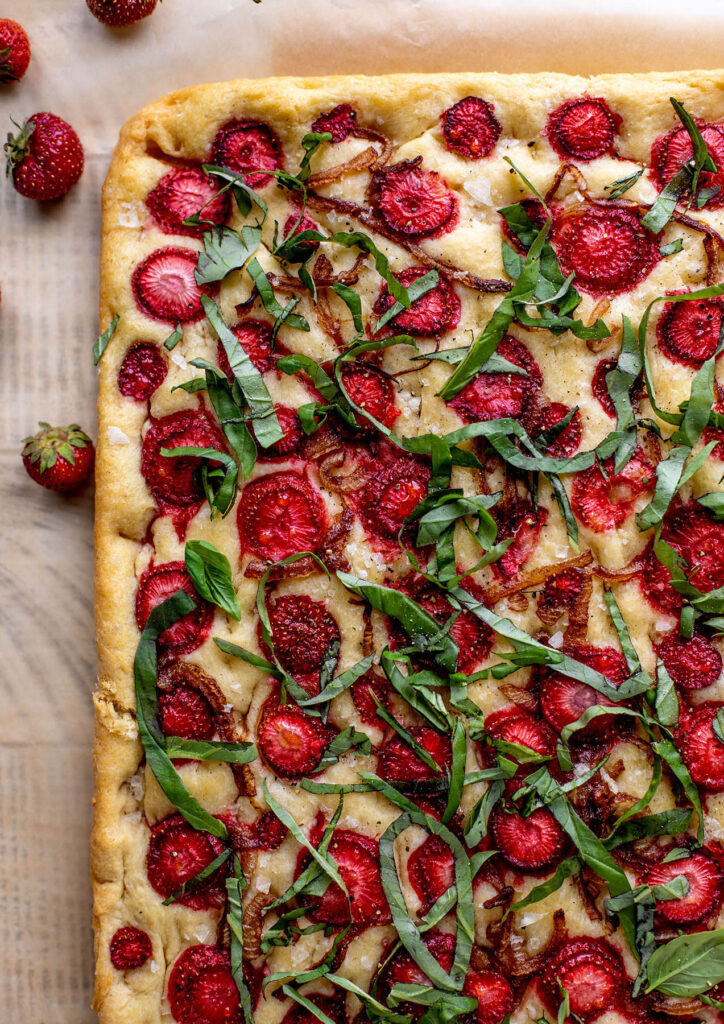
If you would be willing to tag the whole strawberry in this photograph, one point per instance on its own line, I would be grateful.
(118, 13)
(59, 458)
(14, 51)
(45, 158)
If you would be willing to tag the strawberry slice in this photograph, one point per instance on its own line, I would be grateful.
(431, 871)
(564, 700)
(130, 948)
(265, 833)
(142, 371)
(470, 128)
(165, 286)
(671, 151)
(701, 749)
(248, 146)
(183, 192)
(519, 521)
(279, 515)
(332, 1008)
(340, 122)
(290, 444)
(302, 630)
(699, 539)
(173, 480)
(655, 582)
(692, 664)
(583, 128)
(305, 224)
(255, 337)
(532, 844)
(404, 971)
(414, 201)
(399, 763)
(603, 503)
(177, 852)
(493, 993)
(562, 590)
(715, 433)
(688, 332)
(433, 314)
(357, 857)
(185, 712)
(516, 725)
(372, 390)
(291, 742)
(704, 897)
(493, 396)
(569, 440)
(392, 494)
(591, 972)
(157, 584)
(606, 247)
(599, 386)
(362, 695)
(201, 987)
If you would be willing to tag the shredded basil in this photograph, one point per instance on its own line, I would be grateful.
(101, 343)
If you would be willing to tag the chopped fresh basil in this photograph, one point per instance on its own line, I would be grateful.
(210, 574)
(174, 337)
(101, 343)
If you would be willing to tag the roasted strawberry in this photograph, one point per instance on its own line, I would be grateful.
(590, 971)
(371, 390)
(157, 584)
(173, 480)
(247, 147)
(431, 871)
(182, 192)
(291, 742)
(357, 858)
(362, 695)
(705, 888)
(671, 151)
(568, 441)
(340, 122)
(716, 433)
(515, 725)
(692, 664)
(142, 371)
(583, 128)
(297, 225)
(302, 630)
(701, 748)
(201, 987)
(14, 51)
(523, 523)
(564, 700)
(185, 712)
(165, 287)
(699, 539)
(45, 158)
(603, 503)
(279, 515)
(536, 213)
(561, 591)
(392, 494)
(289, 445)
(599, 387)
(606, 247)
(434, 313)
(399, 763)
(655, 582)
(403, 970)
(493, 993)
(532, 844)
(119, 13)
(688, 332)
(493, 396)
(130, 948)
(331, 1008)
(414, 201)
(177, 852)
(470, 127)
(255, 337)
(59, 458)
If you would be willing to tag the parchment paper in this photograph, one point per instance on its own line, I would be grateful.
(96, 78)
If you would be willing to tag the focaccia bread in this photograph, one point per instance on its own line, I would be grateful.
(445, 532)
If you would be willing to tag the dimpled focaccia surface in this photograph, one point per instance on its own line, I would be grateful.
(417, 164)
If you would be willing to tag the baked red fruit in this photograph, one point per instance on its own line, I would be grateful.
(434, 313)
(291, 742)
(688, 332)
(562, 590)
(333, 1009)
(670, 152)
(523, 523)
(255, 337)
(201, 988)
(185, 712)
(362, 696)
(602, 503)
(493, 993)
(59, 458)
(692, 664)
(340, 122)
(583, 128)
(414, 201)
(705, 888)
(535, 843)
(431, 870)
(516, 725)
(164, 285)
(289, 445)
(568, 441)
(699, 539)
(716, 433)
(279, 515)
(157, 584)
(606, 247)
(494, 396)
(119, 13)
(185, 191)
(295, 225)
(398, 762)
(14, 51)
(142, 371)
(701, 749)
(248, 146)
(599, 387)
(564, 700)
(357, 858)
(44, 158)
(176, 853)
(470, 128)
(655, 582)
(392, 494)
(173, 479)
(404, 971)
(130, 948)
(590, 971)
(372, 390)
(302, 630)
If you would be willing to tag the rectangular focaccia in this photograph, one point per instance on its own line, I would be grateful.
(443, 677)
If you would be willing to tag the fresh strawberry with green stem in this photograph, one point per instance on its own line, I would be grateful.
(59, 458)
(45, 158)
(14, 51)
(119, 13)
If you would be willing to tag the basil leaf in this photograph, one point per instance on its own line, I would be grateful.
(353, 303)
(688, 965)
(225, 250)
(375, 1008)
(672, 247)
(308, 1005)
(340, 683)
(566, 869)
(247, 656)
(430, 706)
(210, 574)
(714, 502)
(665, 823)
(617, 188)
(101, 343)
(620, 382)
(243, 194)
(419, 287)
(348, 739)
(666, 750)
(192, 884)
(667, 702)
(281, 314)
(310, 144)
(211, 750)
(459, 746)
(222, 497)
(360, 240)
(441, 510)
(476, 827)
(174, 337)
(232, 421)
(624, 637)
(234, 917)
